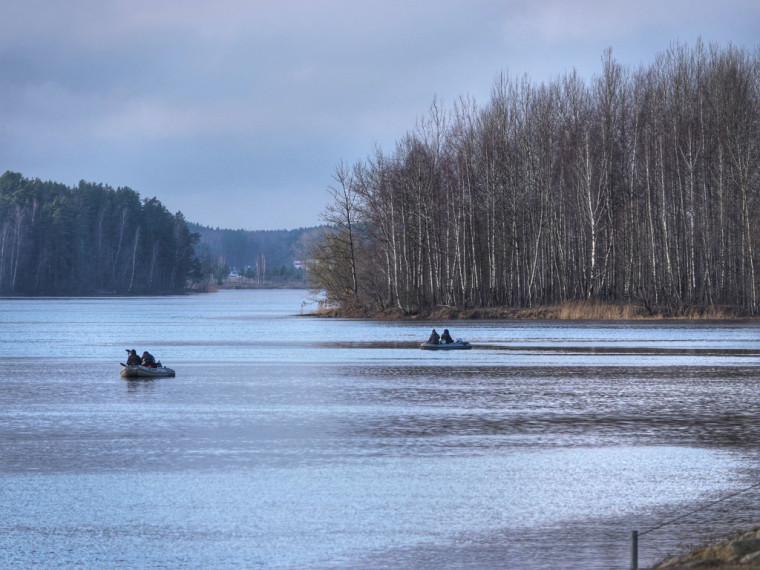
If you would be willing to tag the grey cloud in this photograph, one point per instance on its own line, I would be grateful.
(244, 98)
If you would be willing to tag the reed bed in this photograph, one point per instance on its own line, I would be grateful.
(570, 310)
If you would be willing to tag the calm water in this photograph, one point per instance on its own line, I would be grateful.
(293, 442)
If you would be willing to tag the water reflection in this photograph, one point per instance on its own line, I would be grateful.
(559, 407)
(554, 349)
(306, 443)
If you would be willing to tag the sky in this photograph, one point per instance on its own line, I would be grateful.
(237, 112)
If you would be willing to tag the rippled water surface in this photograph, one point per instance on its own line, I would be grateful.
(293, 442)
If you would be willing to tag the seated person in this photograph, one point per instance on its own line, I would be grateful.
(133, 358)
(148, 360)
(446, 337)
(434, 338)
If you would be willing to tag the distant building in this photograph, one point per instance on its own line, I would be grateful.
(297, 264)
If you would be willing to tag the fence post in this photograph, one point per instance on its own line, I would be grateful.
(634, 550)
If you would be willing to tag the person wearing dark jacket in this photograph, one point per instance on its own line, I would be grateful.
(133, 358)
(434, 338)
(446, 337)
(148, 360)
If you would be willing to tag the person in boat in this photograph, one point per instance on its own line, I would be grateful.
(434, 338)
(446, 337)
(133, 358)
(148, 360)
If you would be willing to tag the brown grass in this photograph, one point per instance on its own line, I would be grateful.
(578, 310)
(718, 556)
(571, 310)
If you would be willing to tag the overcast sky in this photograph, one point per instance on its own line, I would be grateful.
(236, 112)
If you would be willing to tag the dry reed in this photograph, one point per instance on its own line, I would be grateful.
(570, 310)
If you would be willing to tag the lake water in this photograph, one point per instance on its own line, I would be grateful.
(293, 442)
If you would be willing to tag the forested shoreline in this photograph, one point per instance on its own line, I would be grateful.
(636, 187)
(89, 240)
(253, 258)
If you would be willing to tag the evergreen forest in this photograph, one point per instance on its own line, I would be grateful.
(633, 187)
(90, 240)
(263, 258)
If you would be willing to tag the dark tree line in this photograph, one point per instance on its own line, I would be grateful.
(266, 256)
(89, 239)
(638, 187)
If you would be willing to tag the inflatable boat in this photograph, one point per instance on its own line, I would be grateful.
(140, 371)
(458, 345)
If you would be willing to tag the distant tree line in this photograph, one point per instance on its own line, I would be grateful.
(264, 256)
(634, 187)
(89, 239)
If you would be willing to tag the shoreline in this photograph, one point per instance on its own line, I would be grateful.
(741, 551)
(569, 311)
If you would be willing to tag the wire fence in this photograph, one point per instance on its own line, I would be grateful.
(635, 534)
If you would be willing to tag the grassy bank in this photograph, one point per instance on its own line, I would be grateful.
(571, 310)
(740, 552)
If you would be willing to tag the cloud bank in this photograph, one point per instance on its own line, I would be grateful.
(236, 112)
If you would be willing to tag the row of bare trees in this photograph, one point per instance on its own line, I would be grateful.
(635, 187)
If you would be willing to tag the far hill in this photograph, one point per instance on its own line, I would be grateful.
(258, 257)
